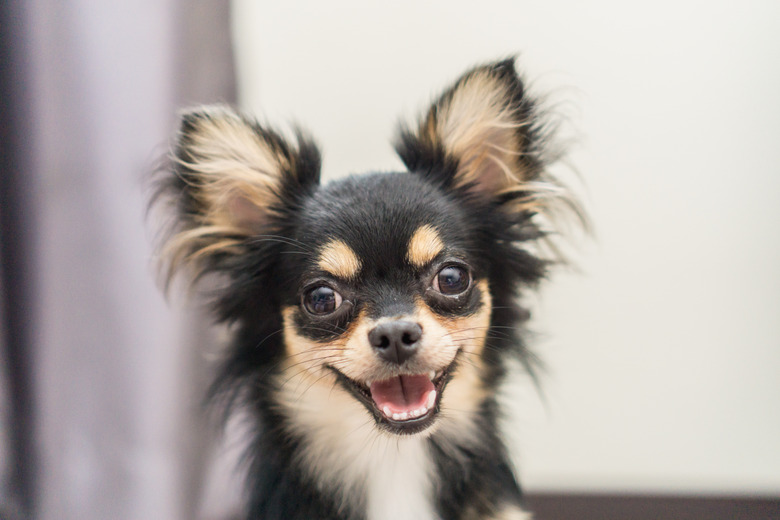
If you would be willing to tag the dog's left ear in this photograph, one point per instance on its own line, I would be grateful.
(483, 135)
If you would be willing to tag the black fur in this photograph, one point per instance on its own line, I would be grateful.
(375, 215)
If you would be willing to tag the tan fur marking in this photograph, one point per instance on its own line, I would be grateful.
(424, 246)
(465, 393)
(338, 259)
(310, 355)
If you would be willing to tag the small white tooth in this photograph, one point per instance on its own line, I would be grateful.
(404, 416)
(387, 411)
(431, 399)
(396, 416)
(432, 375)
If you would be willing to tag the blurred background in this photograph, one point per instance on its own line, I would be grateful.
(662, 348)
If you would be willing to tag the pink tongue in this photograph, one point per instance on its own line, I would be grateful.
(402, 393)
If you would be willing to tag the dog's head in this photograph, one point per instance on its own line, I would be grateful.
(395, 288)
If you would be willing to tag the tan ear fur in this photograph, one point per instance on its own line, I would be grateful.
(230, 174)
(478, 125)
(497, 140)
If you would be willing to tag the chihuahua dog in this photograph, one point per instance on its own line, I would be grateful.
(372, 319)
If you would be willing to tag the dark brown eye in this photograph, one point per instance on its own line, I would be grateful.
(321, 300)
(452, 280)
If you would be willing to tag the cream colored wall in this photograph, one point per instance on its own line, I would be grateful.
(664, 355)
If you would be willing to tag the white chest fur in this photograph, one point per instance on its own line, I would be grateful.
(399, 484)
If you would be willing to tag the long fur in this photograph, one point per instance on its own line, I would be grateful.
(249, 208)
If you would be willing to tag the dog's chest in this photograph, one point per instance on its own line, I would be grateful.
(399, 482)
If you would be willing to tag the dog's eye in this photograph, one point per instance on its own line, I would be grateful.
(321, 300)
(452, 280)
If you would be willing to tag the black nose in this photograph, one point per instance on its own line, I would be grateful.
(395, 341)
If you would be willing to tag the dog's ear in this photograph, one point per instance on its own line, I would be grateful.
(484, 135)
(231, 180)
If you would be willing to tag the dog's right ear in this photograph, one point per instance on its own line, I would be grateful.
(231, 181)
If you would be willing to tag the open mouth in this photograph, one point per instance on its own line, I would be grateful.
(403, 404)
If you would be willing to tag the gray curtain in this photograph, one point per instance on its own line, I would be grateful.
(100, 381)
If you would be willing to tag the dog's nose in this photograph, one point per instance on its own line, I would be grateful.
(395, 341)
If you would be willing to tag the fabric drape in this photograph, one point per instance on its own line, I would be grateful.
(101, 381)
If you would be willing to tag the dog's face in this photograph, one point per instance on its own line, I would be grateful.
(389, 288)
(390, 293)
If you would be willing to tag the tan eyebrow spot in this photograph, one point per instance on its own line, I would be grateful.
(338, 259)
(424, 246)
